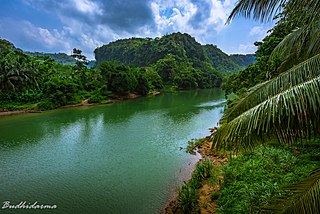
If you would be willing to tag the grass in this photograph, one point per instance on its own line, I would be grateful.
(255, 179)
(189, 192)
(250, 180)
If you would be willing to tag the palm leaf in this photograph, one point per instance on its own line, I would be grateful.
(260, 9)
(304, 200)
(265, 10)
(303, 72)
(311, 8)
(293, 113)
(303, 42)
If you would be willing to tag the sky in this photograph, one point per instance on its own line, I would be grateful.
(60, 25)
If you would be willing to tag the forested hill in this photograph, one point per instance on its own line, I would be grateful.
(146, 51)
(60, 58)
(225, 63)
(243, 60)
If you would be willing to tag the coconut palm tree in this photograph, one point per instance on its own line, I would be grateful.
(287, 107)
(15, 70)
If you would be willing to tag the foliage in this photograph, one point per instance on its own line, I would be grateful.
(62, 90)
(188, 199)
(41, 81)
(60, 58)
(286, 107)
(123, 79)
(188, 194)
(96, 98)
(304, 198)
(267, 66)
(177, 58)
(254, 179)
(193, 144)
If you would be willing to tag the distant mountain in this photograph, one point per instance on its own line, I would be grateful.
(146, 51)
(243, 60)
(220, 60)
(60, 58)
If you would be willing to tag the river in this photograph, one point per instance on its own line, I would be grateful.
(124, 157)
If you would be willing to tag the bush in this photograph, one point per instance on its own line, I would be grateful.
(97, 98)
(204, 170)
(45, 105)
(254, 179)
(188, 199)
(188, 194)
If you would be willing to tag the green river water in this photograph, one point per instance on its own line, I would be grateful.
(124, 157)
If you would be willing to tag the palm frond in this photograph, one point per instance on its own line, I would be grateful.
(304, 199)
(265, 10)
(260, 9)
(303, 72)
(291, 114)
(303, 42)
(311, 7)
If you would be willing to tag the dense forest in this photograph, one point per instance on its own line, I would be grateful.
(40, 81)
(270, 129)
(182, 47)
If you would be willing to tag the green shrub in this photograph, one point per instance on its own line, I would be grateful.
(254, 179)
(97, 98)
(189, 193)
(188, 199)
(45, 105)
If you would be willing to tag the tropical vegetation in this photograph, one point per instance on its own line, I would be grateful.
(284, 108)
(178, 58)
(40, 83)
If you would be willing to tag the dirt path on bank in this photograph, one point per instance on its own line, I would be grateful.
(206, 204)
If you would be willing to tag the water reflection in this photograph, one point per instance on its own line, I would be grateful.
(105, 159)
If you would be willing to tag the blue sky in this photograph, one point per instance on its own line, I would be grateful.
(59, 26)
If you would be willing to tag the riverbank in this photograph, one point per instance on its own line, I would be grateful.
(130, 96)
(206, 189)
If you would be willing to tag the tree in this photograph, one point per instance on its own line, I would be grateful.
(167, 67)
(15, 71)
(81, 59)
(118, 78)
(286, 107)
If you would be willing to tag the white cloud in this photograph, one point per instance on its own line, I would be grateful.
(87, 24)
(247, 48)
(86, 6)
(256, 31)
(171, 16)
(259, 32)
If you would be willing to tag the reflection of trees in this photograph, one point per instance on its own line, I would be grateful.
(83, 123)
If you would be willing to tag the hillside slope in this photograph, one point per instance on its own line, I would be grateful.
(146, 51)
